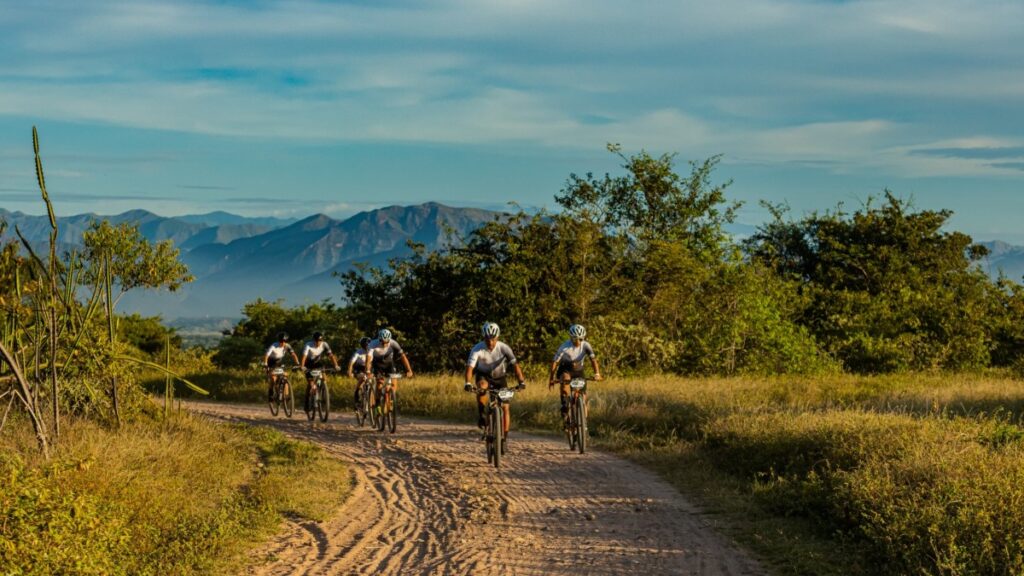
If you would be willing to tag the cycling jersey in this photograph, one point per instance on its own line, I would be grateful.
(313, 353)
(358, 360)
(491, 362)
(570, 354)
(383, 355)
(276, 353)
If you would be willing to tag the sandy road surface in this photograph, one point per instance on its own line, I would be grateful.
(425, 501)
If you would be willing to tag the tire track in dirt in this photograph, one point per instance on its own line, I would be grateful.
(425, 501)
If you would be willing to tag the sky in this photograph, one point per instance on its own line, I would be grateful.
(293, 108)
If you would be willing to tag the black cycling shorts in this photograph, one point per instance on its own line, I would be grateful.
(273, 362)
(384, 368)
(568, 368)
(492, 382)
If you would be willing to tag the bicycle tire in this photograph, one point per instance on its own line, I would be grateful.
(275, 401)
(392, 411)
(325, 402)
(496, 433)
(288, 399)
(489, 437)
(309, 404)
(570, 422)
(363, 410)
(374, 416)
(581, 425)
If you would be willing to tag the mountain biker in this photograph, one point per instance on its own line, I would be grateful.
(313, 355)
(273, 357)
(486, 367)
(357, 363)
(568, 363)
(380, 356)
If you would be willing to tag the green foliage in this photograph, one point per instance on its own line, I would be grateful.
(641, 258)
(237, 352)
(184, 499)
(263, 320)
(134, 261)
(885, 288)
(147, 334)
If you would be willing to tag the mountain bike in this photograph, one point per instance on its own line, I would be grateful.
(366, 410)
(387, 403)
(318, 395)
(576, 428)
(496, 429)
(282, 396)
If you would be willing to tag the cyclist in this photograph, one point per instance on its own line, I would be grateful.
(313, 355)
(357, 363)
(486, 367)
(380, 357)
(273, 357)
(568, 363)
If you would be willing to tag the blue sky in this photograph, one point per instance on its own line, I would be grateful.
(290, 108)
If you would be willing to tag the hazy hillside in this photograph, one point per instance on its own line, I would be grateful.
(296, 262)
(1007, 258)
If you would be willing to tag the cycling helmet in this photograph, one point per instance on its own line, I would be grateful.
(364, 342)
(490, 330)
(577, 331)
(318, 336)
(282, 336)
(384, 335)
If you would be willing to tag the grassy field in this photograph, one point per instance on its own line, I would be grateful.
(899, 475)
(187, 496)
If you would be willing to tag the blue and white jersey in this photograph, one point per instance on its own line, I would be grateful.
(278, 350)
(568, 352)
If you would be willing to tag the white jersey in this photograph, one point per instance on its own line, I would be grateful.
(277, 350)
(358, 359)
(491, 362)
(312, 352)
(379, 352)
(575, 354)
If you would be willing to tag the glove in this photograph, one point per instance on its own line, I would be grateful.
(468, 387)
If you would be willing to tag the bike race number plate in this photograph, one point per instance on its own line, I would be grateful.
(577, 383)
(505, 394)
(277, 371)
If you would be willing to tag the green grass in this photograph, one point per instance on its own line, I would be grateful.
(846, 475)
(183, 497)
(837, 475)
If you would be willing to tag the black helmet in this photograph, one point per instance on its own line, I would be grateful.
(364, 342)
(318, 336)
(282, 336)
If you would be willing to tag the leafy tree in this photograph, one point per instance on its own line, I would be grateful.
(147, 334)
(886, 288)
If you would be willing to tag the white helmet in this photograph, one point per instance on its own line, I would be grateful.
(577, 331)
(490, 330)
(384, 334)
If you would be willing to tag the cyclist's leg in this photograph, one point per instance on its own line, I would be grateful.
(481, 399)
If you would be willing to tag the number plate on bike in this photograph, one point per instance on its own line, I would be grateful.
(578, 383)
(506, 394)
(277, 371)
(314, 373)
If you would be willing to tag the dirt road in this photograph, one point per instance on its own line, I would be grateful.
(425, 501)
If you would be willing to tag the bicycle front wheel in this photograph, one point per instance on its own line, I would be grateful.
(496, 432)
(275, 400)
(309, 405)
(392, 407)
(288, 400)
(581, 425)
(325, 402)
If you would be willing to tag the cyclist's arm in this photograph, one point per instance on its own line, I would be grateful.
(469, 373)
(597, 369)
(551, 376)
(296, 357)
(369, 361)
(519, 372)
(408, 368)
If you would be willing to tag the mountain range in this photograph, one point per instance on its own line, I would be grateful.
(236, 259)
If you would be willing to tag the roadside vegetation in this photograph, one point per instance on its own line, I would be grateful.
(842, 386)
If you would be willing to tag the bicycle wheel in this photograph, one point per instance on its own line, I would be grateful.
(496, 432)
(382, 412)
(363, 410)
(325, 402)
(275, 400)
(309, 404)
(570, 425)
(374, 415)
(392, 411)
(288, 400)
(581, 425)
(489, 437)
